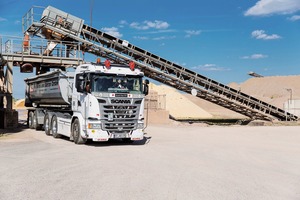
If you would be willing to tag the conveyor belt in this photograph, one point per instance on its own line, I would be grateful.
(155, 67)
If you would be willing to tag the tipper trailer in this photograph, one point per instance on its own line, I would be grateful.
(98, 101)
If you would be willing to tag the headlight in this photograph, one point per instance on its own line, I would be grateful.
(94, 126)
(140, 126)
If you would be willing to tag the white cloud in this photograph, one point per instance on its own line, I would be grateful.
(294, 18)
(113, 31)
(154, 38)
(141, 38)
(150, 24)
(261, 35)
(190, 33)
(122, 23)
(269, 7)
(2, 19)
(255, 56)
(164, 38)
(161, 31)
(211, 67)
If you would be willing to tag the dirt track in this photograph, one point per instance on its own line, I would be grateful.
(182, 162)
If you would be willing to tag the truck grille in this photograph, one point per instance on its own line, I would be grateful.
(120, 118)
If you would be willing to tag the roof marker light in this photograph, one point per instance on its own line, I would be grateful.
(98, 60)
(107, 64)
(132, 65)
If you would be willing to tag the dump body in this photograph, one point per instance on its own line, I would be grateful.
(50, 89)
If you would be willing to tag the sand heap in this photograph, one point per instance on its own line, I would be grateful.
(274, 89)
(19, 104)
(179, 106)
(218, 112)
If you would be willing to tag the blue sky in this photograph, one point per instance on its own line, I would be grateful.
(223, 41)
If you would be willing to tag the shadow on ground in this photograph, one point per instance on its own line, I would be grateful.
(22, 125)
(118, 142)
(112, 142)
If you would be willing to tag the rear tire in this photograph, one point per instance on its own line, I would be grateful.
(54, 127)
(47, 124)
(76, 133)
(30, 120)
(36, 125)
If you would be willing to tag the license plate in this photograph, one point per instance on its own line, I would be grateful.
(119, 135)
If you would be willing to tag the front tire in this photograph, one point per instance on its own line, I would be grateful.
(78, 139)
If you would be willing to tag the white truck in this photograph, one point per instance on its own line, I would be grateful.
(97, 102)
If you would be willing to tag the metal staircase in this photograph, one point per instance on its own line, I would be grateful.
(60, 25)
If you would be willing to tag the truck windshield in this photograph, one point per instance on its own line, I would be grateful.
(117, 84)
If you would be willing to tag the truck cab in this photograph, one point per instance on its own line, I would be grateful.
(108, 101)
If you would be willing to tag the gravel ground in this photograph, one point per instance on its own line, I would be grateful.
(173, 162)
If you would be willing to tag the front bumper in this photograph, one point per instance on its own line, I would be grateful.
(101, 136)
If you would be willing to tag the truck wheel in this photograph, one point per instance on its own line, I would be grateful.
(34, 121)
(47, 124)
(36, 125)
(30, 120)
(54, 127)
(76, 133)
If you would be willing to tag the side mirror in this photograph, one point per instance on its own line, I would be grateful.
(146, 90)
(87, 87)
(146, 87)
(79, 87)
(79, 83)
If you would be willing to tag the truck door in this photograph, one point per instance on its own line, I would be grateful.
(80, 95)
